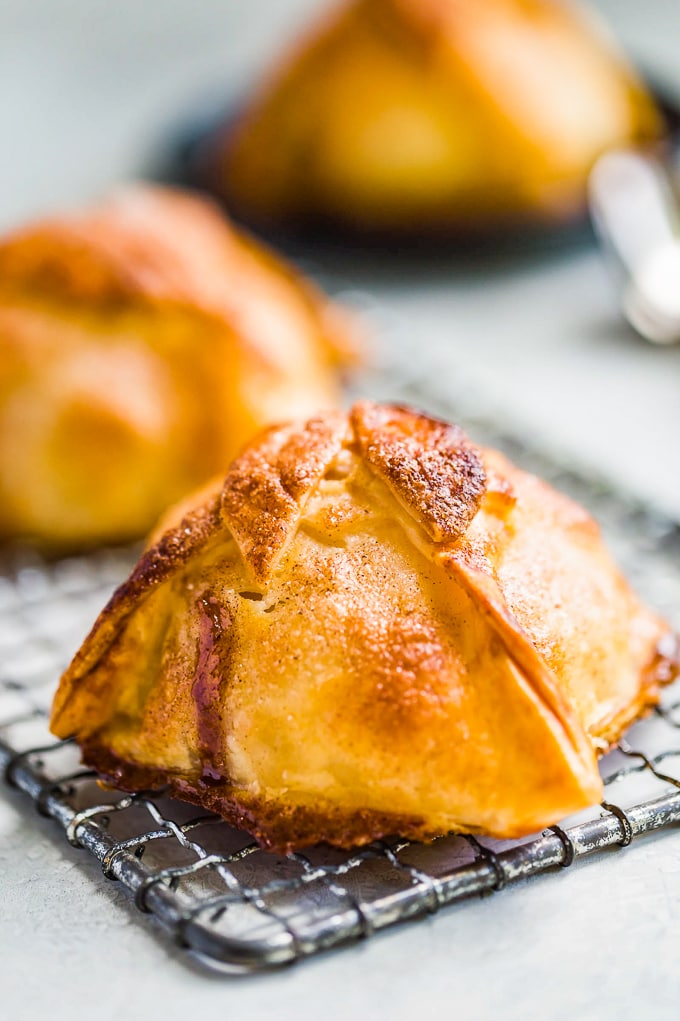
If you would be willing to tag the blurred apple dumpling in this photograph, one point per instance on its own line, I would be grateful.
(143, 341)
(433, 117)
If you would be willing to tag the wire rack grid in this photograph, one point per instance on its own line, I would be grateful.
(238, 908)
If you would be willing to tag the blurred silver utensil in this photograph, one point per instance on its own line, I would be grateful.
(637, 217)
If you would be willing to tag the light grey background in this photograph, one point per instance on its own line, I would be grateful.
(89, 89)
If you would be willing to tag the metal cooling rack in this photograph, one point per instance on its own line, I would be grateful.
(239, 908)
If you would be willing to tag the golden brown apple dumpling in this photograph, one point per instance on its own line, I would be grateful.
(370, 626)
(143, 341)
(433, 117)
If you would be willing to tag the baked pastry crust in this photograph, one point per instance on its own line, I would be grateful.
(143, 341)
(371, 626)
(434, 116)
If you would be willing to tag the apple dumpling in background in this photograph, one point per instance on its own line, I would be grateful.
(433, 117)
(143, 341)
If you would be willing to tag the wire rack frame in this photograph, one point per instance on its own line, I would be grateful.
(238, 908)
